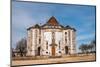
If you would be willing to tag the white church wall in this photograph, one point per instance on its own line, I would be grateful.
(71, 44)
(33, 42)
(42, 41)
(58, 38)
(67, 37)
(47, 37)
(72, 32)
(29, 42)
(73, 41)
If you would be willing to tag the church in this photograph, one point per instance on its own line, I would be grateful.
(51, 39)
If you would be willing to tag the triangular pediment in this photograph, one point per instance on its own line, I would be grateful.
(52, 21)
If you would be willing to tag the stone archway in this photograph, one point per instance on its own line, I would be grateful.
(38, 52)
(66, 49)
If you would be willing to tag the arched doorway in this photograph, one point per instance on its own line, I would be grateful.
(53, 50)
(38, 53)
(66, 49)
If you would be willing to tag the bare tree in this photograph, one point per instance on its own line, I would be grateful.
(21, 47)
(13, 54)
(84, 48)
(88, 48)
(93, 46)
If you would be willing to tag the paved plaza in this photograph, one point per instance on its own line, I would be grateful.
(54, 60)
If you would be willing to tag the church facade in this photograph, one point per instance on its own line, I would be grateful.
(51, 39)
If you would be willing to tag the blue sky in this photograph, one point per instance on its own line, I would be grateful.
(26, 14)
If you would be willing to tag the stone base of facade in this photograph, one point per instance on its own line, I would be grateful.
(46, 56)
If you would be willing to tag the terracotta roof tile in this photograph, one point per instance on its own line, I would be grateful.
(52, 21)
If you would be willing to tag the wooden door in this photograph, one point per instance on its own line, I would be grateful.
(53, 50)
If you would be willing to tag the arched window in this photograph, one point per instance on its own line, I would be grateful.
(65, 37)
(39, 40)
(65, 33)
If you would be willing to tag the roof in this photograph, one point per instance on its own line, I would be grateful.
(51, 22)
(35, 26)
(69, 27)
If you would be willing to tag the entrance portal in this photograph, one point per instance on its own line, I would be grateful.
(66, 49)
(53, 50)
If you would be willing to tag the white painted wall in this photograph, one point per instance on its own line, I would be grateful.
(46, 36)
